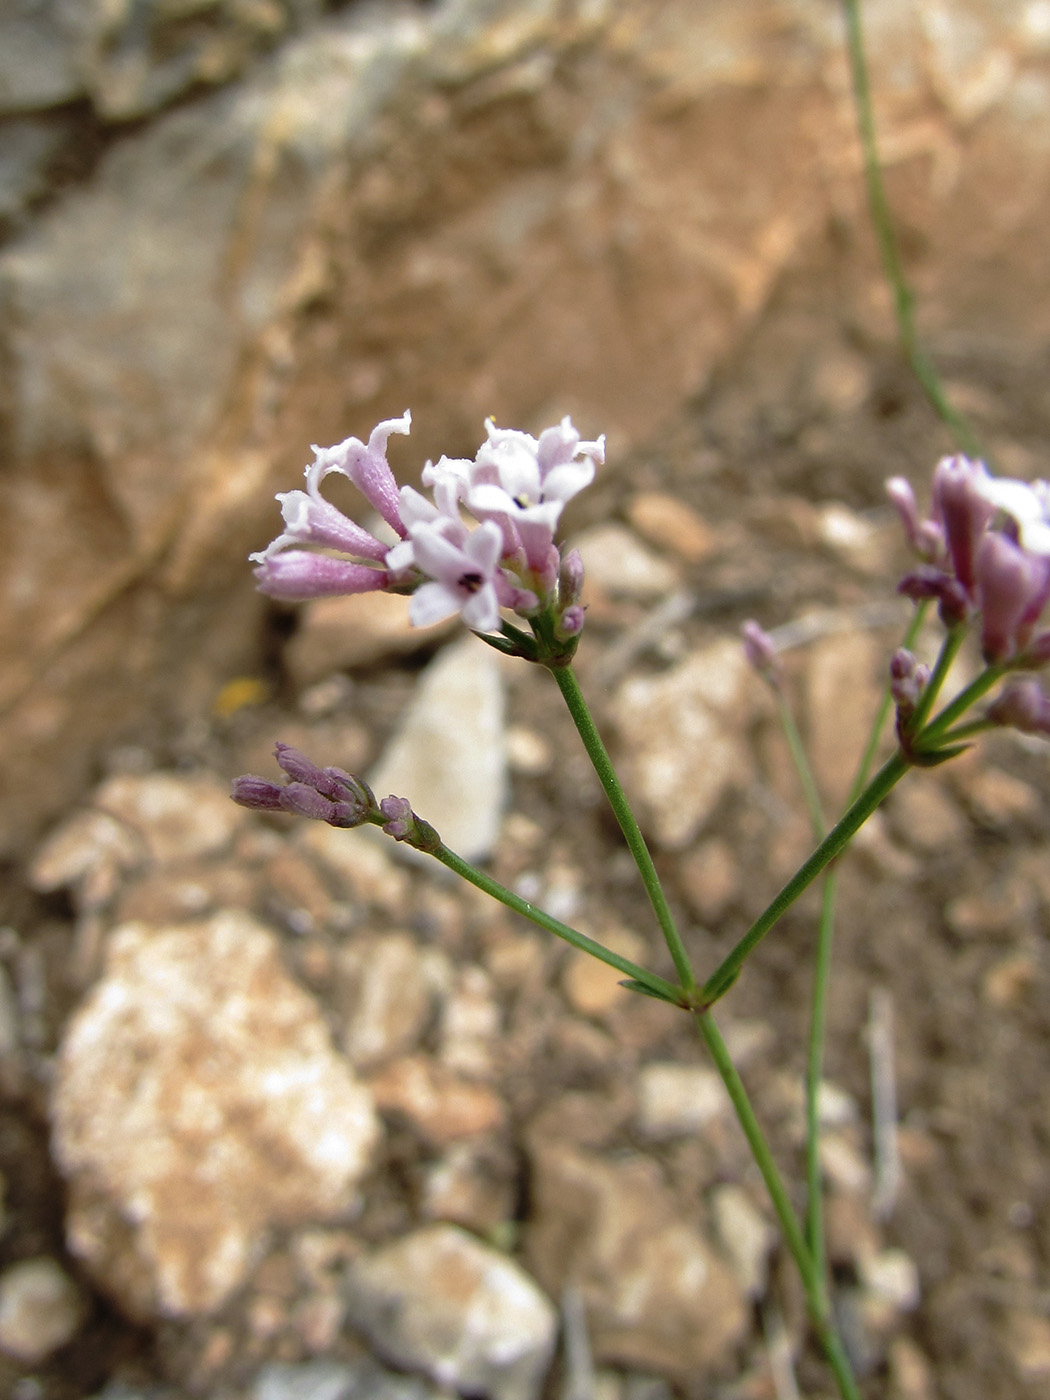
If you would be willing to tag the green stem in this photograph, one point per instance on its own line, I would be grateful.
(798, 757)
(936, 730)
(657, 986)
(833, 844)
(947, 654)
(812, 1277)
(903, 299)
(815, 1073)
(885, 705)
(596, 752)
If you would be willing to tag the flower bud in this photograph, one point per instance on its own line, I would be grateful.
(761, 651)
(258, 793)
(1023, 705)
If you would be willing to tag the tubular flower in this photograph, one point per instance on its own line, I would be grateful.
(500, 557)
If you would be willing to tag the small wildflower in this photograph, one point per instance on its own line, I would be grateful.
(761, 651)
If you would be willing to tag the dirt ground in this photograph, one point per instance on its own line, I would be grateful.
(953, 929)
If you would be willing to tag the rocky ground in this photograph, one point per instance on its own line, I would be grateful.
(284, 1116)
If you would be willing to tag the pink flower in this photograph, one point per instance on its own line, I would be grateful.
(463, 573)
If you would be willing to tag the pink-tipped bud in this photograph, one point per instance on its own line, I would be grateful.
(570, 624)
(1012, 588)
(908, 679)
(963, 511)
(257, 793)
(570, 579)
(925, 536)
(761, 651)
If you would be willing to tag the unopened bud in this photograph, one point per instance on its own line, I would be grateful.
(761, 651)
(570, 579)
(257, 793)
(908, 679)
(1023, 705)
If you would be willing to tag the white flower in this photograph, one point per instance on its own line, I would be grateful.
(464, 572)
(1028, 505)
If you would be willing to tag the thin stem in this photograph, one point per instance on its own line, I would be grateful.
(947, 654)
(801, 762)
(903, 299)
(657, 986)
(811, 1276)
(885, 705)
(815, 1073)
(936, 730)
(596, 752)
(833, 844)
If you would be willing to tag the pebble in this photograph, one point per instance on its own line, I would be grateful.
(440, 1105)
(41, 1309)
(336, 634)
(657, 1295)
(470, 1024)
(447, 755)
(843, 681)
(469, 1186)
(748, 1237)
(364, 872)
(924, 817)
(998, 798)
(178, 817)
(91, 851)
(710, 877)
(677, 1100)
(617, 564)
(441, 1302)
(681, 735)
(198, 1102)
(384, 997)
(669, 525)
(1028, 1339)
(593, 988)
(326, 1379)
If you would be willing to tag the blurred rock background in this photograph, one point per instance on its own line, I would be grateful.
(236, 228)
(232, 228)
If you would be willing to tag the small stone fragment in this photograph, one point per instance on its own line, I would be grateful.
(447, 756)
(593, 987)
(178, 817)
(657, 1296)
(440, 1105)
(676, 1100)
(440, 1302)
(710, 878)
(682, 737)
(340, 633)
(747, 1236)
(384, 997)
(617, 564)
(669, 524)
(41, 1309)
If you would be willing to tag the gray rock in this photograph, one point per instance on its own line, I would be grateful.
(440, 1302)
(198, 1101)
(448, 754)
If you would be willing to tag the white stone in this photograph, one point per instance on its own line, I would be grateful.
(677, 1100)
(41, 1309)
(198, 1101)
(682, 736)
(448, 754)
(177, 816)
(747, 1236)
(616, 562)
(385, 997)
(441, 1302)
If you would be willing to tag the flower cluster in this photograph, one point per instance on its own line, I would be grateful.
(986, 551)
(513, 493)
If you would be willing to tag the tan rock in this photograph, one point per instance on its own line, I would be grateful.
(340, 633)
(671, 526)
(199, 1101)
(682, 738)
(656, 1294)
(440, 1105)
